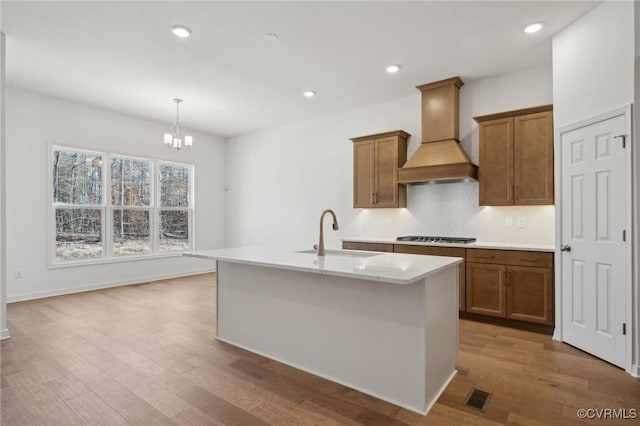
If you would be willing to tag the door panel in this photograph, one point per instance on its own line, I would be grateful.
(363, 170)
(577, 291)
(387, 176)
(530, 294)
(593, 219)
(486, 289)
(495, 173)
(533, 159)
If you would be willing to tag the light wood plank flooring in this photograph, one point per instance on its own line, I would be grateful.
(146, 355)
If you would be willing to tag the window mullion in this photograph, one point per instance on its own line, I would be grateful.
(108, 207)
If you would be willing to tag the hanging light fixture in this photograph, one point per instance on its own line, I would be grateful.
(173, 139)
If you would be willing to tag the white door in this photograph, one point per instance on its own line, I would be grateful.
(594, 263)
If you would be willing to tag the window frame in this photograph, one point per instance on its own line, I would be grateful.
(107, 210)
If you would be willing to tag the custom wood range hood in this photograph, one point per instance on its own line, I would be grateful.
(439, 158)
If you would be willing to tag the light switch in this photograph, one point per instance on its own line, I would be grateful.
(520, 222)
(508, 221)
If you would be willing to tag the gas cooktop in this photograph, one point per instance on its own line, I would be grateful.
(431, 239)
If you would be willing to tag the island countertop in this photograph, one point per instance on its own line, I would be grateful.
(394, 268)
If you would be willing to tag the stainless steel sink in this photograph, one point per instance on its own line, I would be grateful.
(340, 253)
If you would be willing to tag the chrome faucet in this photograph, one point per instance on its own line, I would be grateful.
(335, 228)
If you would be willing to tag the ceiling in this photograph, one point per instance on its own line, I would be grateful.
(122, 56)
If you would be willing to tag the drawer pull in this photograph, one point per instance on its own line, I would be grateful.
(485, 257)
(529, 259)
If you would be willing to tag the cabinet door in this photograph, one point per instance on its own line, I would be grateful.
(533, 159)
(529, 294)
(486, 289)
(496, 162)
(386, 176)
(363, 173)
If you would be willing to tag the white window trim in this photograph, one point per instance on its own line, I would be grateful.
(107, 210)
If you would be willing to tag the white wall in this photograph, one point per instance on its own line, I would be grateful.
(32, 122)
(4, 332)
(593, 73)
(593, 63)
(282, 178)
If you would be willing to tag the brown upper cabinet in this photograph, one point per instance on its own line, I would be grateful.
(516, 157)
(376, 159)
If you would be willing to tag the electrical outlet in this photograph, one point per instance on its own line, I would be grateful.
(19, 274)
(520, 222)
(508, 221)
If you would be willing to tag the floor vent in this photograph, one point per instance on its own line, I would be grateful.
(477, 399)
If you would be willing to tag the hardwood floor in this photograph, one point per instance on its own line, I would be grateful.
(146, 355)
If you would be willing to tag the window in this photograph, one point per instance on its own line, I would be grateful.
(131, 202)
(174, 207)
(78, 204)
(109, 206)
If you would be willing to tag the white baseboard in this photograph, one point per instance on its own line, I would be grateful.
(635, 371)
(4, 334)
(108, 284)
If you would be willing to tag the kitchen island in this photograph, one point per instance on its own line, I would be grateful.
(384, 324)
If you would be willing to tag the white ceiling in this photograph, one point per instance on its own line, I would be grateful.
(122, 56)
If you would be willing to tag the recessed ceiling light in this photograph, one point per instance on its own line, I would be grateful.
(392, 69)
(533, 28)
(271, 37)
(309, 93)
(181, 31)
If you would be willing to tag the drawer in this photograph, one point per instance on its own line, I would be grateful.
(511, 257)
(352, 245)
(430, 250)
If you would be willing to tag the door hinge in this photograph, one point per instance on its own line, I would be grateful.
(624, 235)
(624, 140)
(624, 328)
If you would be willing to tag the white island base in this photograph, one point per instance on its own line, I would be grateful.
(396, 342)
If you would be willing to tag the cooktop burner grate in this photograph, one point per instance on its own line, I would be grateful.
(434, 239)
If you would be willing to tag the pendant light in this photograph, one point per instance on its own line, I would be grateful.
(173, 139)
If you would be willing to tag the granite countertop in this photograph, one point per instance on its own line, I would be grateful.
(394, 268)
(477, 244)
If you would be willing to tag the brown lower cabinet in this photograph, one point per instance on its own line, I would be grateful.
(486, 288)
(501, 284)
(530, 294)
(493, 283)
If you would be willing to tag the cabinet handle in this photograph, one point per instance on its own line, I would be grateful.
(485, 257)
(529, 259)
(504, 278)
(375, 198)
